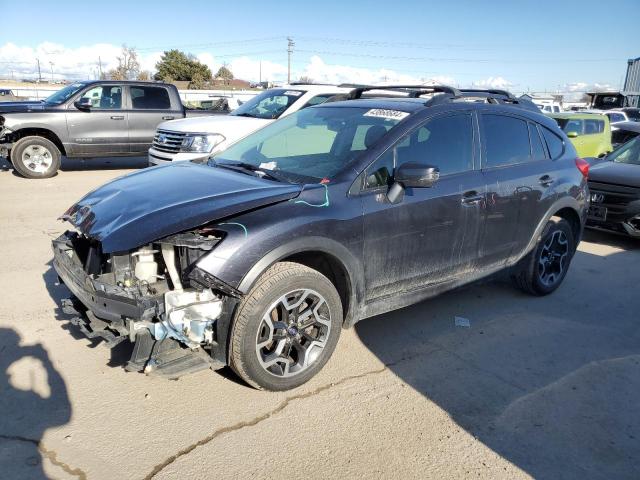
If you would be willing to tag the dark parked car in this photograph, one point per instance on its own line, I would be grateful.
(86, 120)
(333, 214)
(614, 185)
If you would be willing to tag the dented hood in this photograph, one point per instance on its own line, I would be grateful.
(144, 206)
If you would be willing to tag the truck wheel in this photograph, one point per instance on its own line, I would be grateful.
(544, 268)
(286, 328)
(35, 157)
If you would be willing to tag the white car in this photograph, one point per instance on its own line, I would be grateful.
(197, 138)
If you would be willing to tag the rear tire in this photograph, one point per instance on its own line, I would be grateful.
(35, 157)
(542, 270)
(286, 328)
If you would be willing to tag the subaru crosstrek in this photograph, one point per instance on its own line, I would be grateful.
(258, 258)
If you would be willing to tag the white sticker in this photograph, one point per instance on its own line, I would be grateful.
(268, 166)
(293, 93)
(388, 114)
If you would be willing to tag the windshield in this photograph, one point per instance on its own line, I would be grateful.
(270, 104)
(627, 153)
(65, 94)
(634, 115)
(312, 144)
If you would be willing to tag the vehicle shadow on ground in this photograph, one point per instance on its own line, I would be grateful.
(551, 384)
(619, 241)
(33, 398)
(74, 164)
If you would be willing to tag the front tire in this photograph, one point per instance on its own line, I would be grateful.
(286, 328)
(35, 157)
(544, 268)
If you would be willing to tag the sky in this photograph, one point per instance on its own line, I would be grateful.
(542, 45)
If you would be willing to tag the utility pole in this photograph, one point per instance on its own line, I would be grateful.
(290, 46)
(100, 68)
(51, 63)
(39, 73)
(260, 73)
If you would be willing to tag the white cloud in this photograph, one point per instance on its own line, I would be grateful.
(209, 60)
(67, 62)
(247, 68)
(493, 82)
(322, 72)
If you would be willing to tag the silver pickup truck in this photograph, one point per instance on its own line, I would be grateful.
(86, 120)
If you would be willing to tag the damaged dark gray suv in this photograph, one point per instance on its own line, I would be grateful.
(339, 212)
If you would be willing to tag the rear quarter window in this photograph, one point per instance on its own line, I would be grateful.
(554, 143)
(592, 127)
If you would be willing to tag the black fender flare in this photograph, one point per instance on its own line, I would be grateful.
(560, 204)
(352, 266)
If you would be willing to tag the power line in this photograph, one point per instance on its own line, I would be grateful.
(453, 60)
(212, 44)
(290, 46)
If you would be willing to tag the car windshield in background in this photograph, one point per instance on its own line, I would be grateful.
(627, 153)
(269, 105)
(311, 144)
(634, 115)
(65, 94)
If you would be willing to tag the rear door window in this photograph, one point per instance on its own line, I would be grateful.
(506, 140)
(149, 98)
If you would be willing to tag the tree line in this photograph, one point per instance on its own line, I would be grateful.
(174, 65)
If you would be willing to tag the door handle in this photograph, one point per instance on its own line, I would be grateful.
(546, 180)
(168, 117)
(472, 198)
(117, 117)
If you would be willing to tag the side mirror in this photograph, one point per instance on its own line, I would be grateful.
(572, 134)
(83, 104)
(416, 175)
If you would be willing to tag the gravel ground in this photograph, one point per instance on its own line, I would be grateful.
(535, 387)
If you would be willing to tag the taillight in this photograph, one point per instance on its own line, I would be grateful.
(583, 166)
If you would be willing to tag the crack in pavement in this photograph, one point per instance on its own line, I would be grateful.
(250, 423)
(49, 454)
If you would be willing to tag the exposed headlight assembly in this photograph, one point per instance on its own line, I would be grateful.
(201, 143)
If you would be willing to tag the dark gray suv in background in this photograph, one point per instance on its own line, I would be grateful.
(336, 213)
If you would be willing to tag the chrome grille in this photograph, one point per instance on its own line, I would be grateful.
(168, 141)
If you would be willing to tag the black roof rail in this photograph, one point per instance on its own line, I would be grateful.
(494, 96)
(413, 91)
(495, 91)
(310, 83)
(446, 94)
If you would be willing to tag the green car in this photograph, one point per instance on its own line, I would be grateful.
(590, 133)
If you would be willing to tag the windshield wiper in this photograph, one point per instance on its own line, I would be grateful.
(243, 115)
(250, 169)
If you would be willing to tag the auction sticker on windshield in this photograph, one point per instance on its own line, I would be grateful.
(388, 114)
(293, 93)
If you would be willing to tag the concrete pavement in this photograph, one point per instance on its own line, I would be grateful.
(535, 387)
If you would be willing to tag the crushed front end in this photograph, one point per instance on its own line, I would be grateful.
(154, 296)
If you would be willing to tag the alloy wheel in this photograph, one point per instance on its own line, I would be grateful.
(552, 261)
(293, 333)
